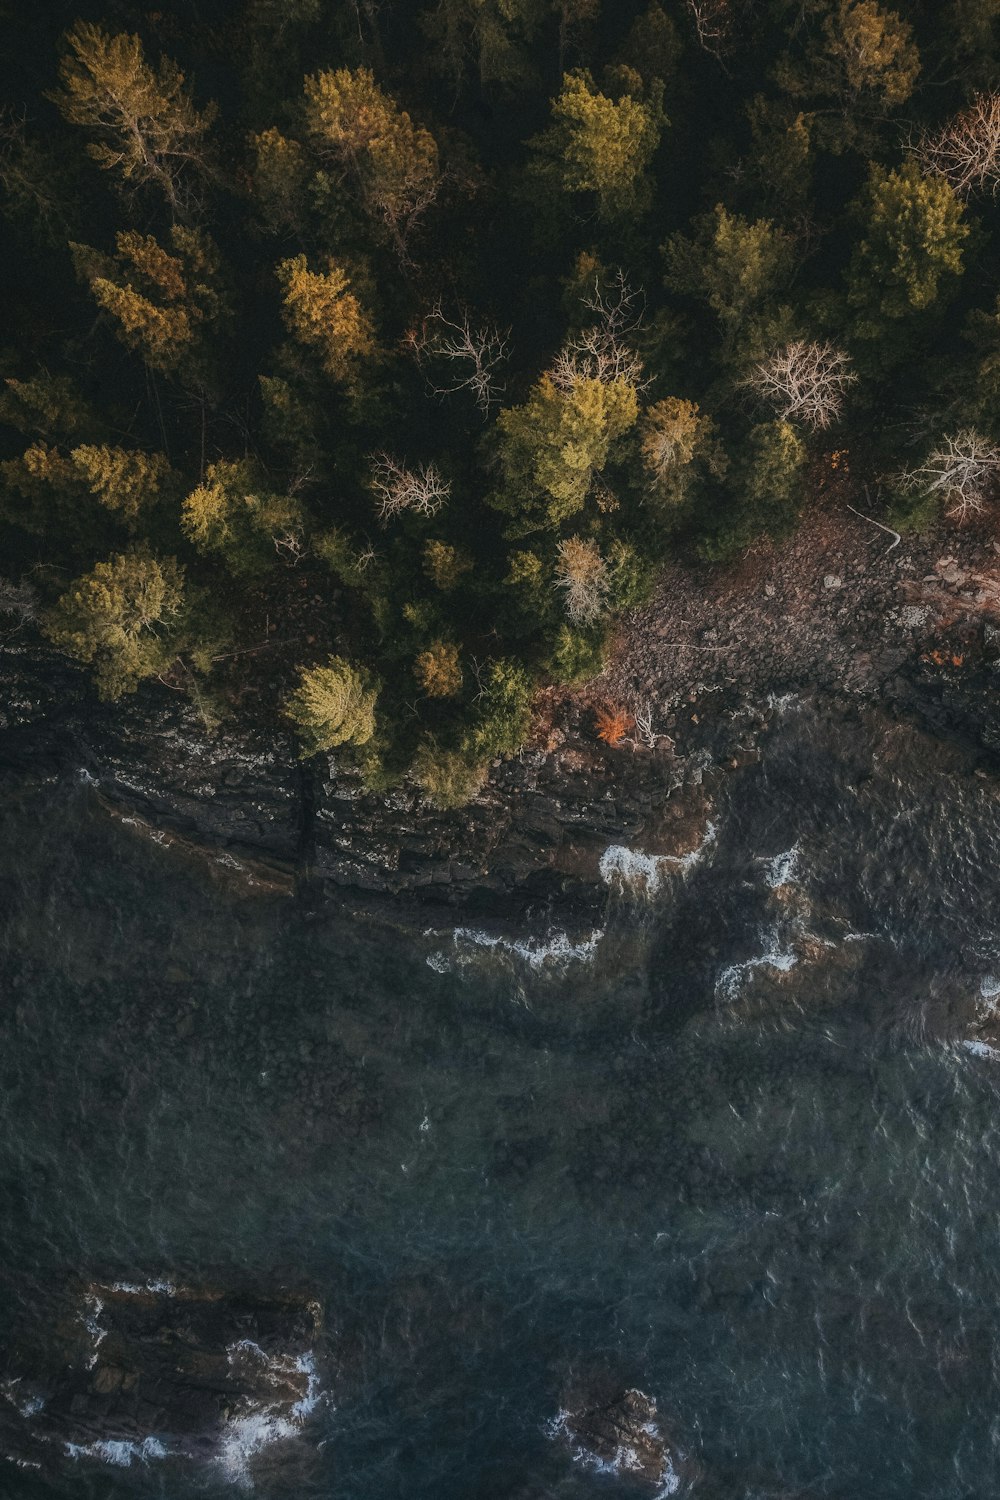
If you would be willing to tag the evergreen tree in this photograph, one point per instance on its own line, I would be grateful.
(601, 145)
(144, 125)
(122, 618)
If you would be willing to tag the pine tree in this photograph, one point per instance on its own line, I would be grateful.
(392, 162)
(145, 126)
(322, 312)
(438, 670)
(235, 515)
(552, 447)
(733, 265)
(600, 145)
(121, 619)
(162, 302)
(333, 705)
(912, 232)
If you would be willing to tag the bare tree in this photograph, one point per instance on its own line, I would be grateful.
(967, 150)
(804, 382)
(963, 471)
(601, 352)
(468, 353)
(397, 488)
(712, 23)
(582, 572)
(18, 599)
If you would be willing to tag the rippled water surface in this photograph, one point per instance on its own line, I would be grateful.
(739, 1147)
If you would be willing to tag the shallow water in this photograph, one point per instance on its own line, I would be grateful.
(730, 1147)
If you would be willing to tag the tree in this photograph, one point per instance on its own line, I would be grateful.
(392, 162)
(963, 472)
(966, 151)
(121, 618)
(804, 382)
(45, 405)
(445, 565)
(912, 233)
(652, 47)
(161, 302)
(279, 176)
(582, 574)
(333, 705)
(447, 778)
(124, 480)
(552, 447)
(439, 671)
(780, 161)
(460, 355)
(234, 514)
(322, 312)
(491, 35)
(146, 127)
(864, 58)
(397, 489)
(600, 145)
(680, 449)
(733, 265)
(768, 476)
(503, 712)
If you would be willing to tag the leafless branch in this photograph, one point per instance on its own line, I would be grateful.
(963, 471)
(471, 352)
(966, 151)
(582, 572)
(397, 488)
(804, 382)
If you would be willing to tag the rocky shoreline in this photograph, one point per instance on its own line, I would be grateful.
(838, 611)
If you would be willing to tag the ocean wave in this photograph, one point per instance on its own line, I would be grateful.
(641, 874)
(555, 951)
(252, 1429)
(121, 1453)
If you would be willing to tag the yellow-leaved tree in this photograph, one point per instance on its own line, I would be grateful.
(392, 163)
(143, 123)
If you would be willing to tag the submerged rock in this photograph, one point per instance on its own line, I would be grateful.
(621, 1432)
(142, 1373)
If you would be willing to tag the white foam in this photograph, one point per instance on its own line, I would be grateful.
(981, 1049)
(730, 981)
(783, 868)
(95, 1307)
(144, 1288)
(555, 950)
(639, 873)
(250, 1431)
(120, 1453)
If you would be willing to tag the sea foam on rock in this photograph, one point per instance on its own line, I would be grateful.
(145, 1372)
(621, 1432)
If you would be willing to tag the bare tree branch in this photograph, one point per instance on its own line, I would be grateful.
(963, 471)
(804, 382)
(472, 353)
(397, 488)
(966, 151)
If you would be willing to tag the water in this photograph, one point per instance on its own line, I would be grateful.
(730, 1148)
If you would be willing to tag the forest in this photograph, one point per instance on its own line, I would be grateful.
(363, 359)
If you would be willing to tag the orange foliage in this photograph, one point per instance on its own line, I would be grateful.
(612, 723)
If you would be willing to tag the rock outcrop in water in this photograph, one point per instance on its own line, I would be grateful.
(152, 1372)
(621, 1432)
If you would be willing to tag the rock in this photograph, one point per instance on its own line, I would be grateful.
(152, 1372)
(621, 1432)
(833, 581)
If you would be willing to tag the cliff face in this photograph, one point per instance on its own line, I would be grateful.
(532, 841)
(917, 640)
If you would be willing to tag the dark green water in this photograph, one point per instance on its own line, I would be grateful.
(768, 1195)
